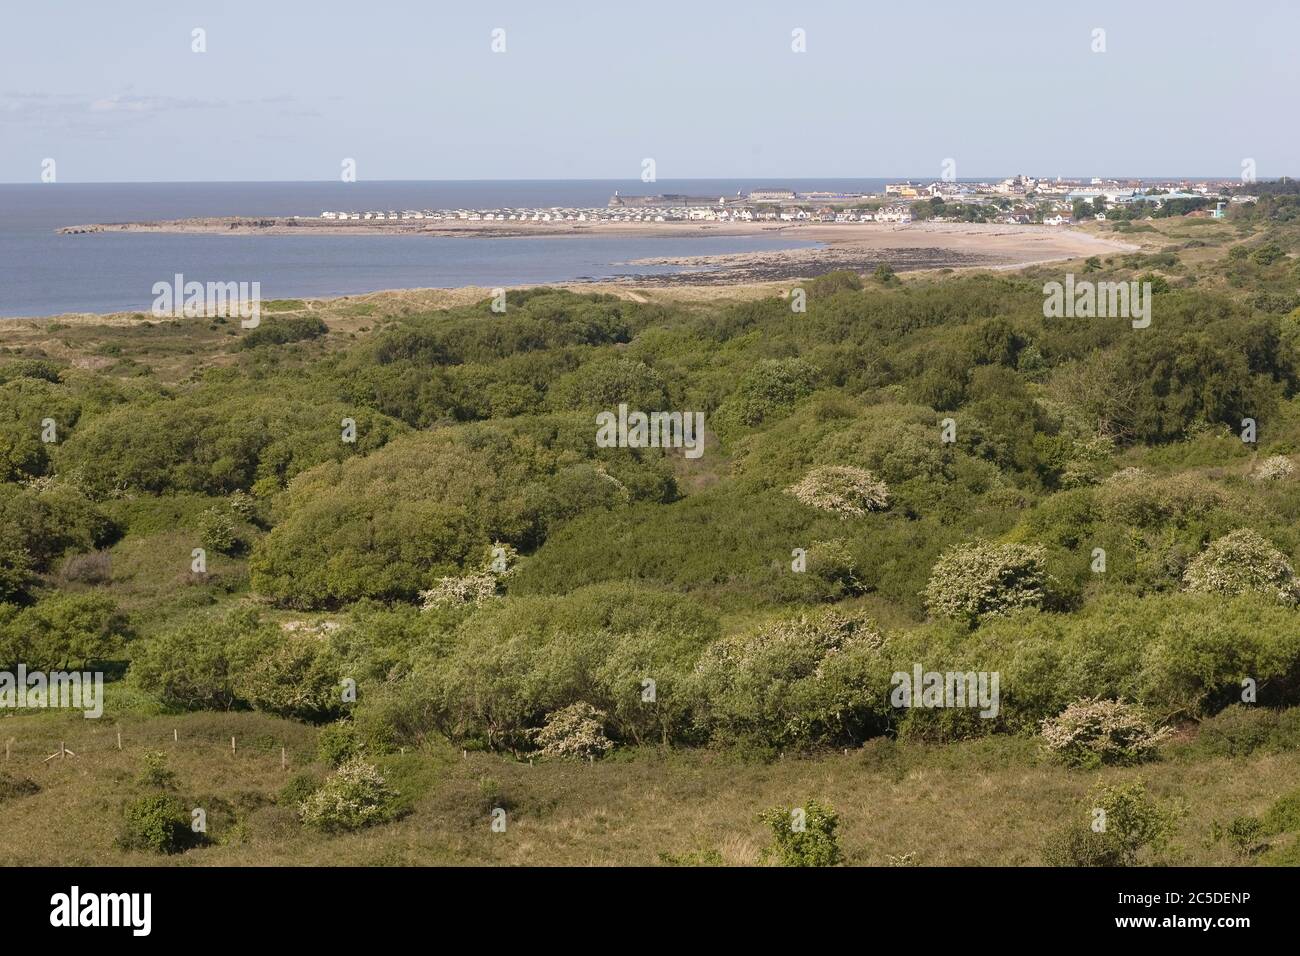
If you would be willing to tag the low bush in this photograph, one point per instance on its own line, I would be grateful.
(1243, 562)
(1092, 732)
(802, 836)
(157, 823)
(979, 580)
(354, 796)
(1122, 826)
(577, 731)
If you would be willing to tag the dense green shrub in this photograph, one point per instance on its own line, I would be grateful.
(292, 675)
(1241, 730)
(64, 630)
(281, 330)
(197, 664)
(1123, 826)
(215, 441)
(767, 390)
(389, 525)
(54, 520)
(1284, 815)
(802, 836)
(339, 742)
(157, 823)
(813, 679)
(519, 659)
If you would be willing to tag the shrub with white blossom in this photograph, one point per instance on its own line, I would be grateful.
(475, 588)
(841, 489)
(1131, 473)
(1243, 562)
(1274, 468)
(1092, 732)
(467, 589)
(980, 579)
(355, 796)
(575, 731)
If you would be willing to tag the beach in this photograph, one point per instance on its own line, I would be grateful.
(859, 247)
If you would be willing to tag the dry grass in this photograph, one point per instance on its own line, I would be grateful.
(983, 802)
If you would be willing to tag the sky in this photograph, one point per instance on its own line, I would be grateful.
(288, 90)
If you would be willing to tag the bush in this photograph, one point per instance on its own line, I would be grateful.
(1284, 815)
(1241, 730)
(577, 731)
(978, 580)
(842, 490)
(520, 658)
(815, 679)
(1244, 835)
(291, 675)
(1093, 732)
(195, 665)
(65, 629)
(353, 797)
(1243, 562)
(338, 743)
(1129, 825)
(1274, 468)
(472, 589)
(156, 823)
(803, 836)
(389, 525)
(218, 531)
(297, 790)
(280, 331)
(154, 772)
(1237, 731)
(766, 391)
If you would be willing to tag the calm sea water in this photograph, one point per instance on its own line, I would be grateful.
(42, 273)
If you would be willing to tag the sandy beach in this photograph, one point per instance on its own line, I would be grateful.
(855, 246)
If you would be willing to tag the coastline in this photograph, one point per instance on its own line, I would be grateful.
(859, 247)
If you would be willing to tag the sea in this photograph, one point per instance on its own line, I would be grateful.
(43, 273)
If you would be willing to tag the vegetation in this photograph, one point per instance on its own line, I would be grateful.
(385, 539)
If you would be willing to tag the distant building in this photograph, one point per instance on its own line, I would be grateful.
(894, 214)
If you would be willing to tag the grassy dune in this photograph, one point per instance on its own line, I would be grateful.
(986, 802)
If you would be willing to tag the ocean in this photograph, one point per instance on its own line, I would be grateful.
(42, 273)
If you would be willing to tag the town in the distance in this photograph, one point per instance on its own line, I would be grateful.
(1018, 200)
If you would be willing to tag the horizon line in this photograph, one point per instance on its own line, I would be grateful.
(771, 181)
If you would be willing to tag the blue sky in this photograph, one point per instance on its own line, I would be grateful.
(412, 90)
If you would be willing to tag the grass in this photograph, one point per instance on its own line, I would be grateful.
(986, 802)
